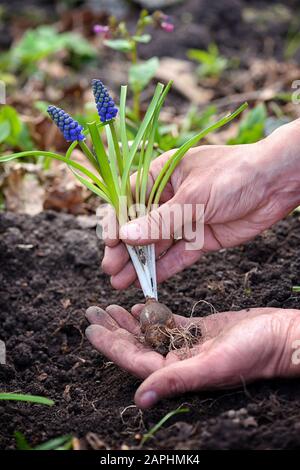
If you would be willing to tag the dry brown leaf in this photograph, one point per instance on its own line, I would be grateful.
(65, 193)
(66, 303)
(54, 69)
(184, 79)
(95, 441)
(22, 189)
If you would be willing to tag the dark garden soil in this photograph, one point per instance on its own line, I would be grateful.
(242, 28)
(50, 274)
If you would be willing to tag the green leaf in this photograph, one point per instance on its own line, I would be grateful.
(37, 44)
(122, 117)
(212, 63)
(42, 106)
(172, 163)
(10, 115)
(55, 444)
(200, 56)
(143, 39)
(140, 75)
(21, 441)
(149, 147)
(78, 45)
(157, 426)
(92, 187)
(121, 45)
(29, 398)
(55, 156)
(138, 138)
(105, 168)
(4, 130)
(252, 126)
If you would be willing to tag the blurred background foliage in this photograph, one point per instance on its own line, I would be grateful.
(218, 54)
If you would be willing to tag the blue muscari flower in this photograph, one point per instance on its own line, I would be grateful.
(70, 128)
(106, 107)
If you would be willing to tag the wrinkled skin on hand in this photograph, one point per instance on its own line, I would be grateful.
(236, 348)
(238, 186)
(244, 189)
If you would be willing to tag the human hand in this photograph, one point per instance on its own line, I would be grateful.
(236, 348)
(238, 186)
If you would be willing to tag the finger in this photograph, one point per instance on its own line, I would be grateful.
(125, 278)
(109, 225)
(122, 348)
(160, 224)
(115, 259)
(162, 246)
(124, 319)
(176, 259)
(98, 316)
(202, 372)
(136, 310)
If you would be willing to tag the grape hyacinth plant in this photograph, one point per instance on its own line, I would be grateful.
(71, 129)
(107, 148)
(105, 105)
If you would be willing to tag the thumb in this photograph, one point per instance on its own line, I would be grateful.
(160, 224)
(202, 372)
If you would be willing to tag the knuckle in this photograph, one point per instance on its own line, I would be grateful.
(107, 265)
(181, 259)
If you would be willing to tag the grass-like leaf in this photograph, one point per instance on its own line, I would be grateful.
(106, 169)
(123, 130)
(57, 443)
(157, 426)
(142, 129)
(149, 148)
(172, 163)
(28, 398)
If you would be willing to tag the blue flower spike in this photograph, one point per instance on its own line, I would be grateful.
(70, 128)
(106, 107)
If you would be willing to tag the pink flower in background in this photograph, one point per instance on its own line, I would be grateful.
(164, 21)
(101, 29)
(167, 26)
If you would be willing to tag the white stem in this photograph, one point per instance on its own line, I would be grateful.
(148, 253)
(142, 272)
(153, 269)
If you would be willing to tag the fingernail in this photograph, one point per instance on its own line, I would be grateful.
(89, 332)
(130, 231)
(148, 399)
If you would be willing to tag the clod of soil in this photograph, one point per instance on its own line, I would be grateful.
(45, 287)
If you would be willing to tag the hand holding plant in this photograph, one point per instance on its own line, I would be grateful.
(218, 177)
(106, 147)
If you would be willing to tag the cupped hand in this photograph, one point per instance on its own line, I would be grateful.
(235, 348)
(235, 186)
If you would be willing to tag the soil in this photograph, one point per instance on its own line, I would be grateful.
(240, 28)
(50, 273)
